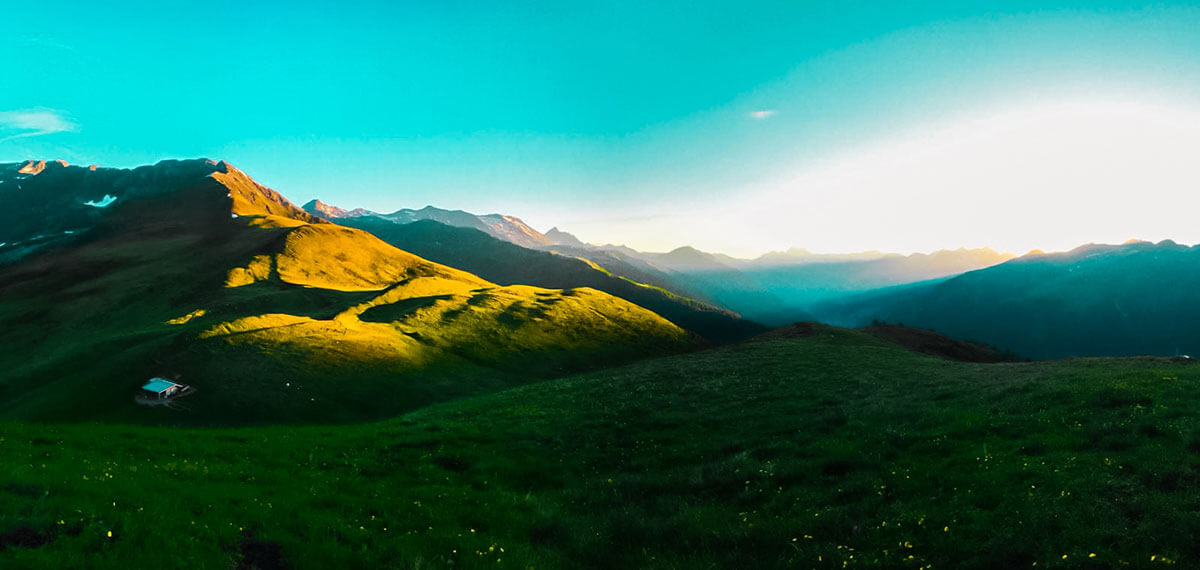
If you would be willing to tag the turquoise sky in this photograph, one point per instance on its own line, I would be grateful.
(650, 123)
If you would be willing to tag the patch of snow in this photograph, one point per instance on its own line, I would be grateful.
(101, 203)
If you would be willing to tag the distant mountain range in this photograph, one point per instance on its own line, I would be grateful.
(507, 228)
(804, 284)
(797, 255)
(775, 289)
(1095, 300)
(1129, 299)
(191, 268)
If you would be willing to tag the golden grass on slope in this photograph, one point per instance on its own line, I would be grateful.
(346, 259)
(259, 269)
(498, 323)
(337, 258)
(428, 311)
(326, 341)
(427, 320)
(186, 318)
(272, 222)
(594, 265)
(254, 324)
(414, 289)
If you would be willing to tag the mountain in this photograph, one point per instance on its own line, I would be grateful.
(722, 279)
(507, 228)
(629, 263)
(190, 268)
(713, 278)
(559, 237)
(505, 263)
(808, 280)
(690, 259)
(798, 255)
(1129, 299)
(331, 212)
(781, 287)
(49, 202)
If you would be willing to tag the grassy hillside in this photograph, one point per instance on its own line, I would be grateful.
(819, 449)
(505, 263)
(276, 318)
(1136, 298)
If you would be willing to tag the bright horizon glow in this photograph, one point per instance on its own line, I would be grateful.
(1063, 175)
(1049, 177)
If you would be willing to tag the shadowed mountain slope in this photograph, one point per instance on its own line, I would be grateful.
(49, 202)
(1136, 298)
(195, 270)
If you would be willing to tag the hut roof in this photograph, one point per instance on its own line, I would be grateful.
(158, 384)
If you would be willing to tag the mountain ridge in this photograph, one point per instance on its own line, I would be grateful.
(83, 196)
(509, 228)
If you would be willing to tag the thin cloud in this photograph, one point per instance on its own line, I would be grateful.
(33, 122)
(762, 113)
(45, 42)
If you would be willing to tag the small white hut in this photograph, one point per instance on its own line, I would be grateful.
(160, 388)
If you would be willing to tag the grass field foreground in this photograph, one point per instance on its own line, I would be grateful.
(832, 450)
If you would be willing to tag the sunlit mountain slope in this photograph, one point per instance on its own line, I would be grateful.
(195, 270)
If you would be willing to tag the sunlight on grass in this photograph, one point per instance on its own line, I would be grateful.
(186, 318)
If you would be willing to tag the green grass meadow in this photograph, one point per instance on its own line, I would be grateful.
(833, 450)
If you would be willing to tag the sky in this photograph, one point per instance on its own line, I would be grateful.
(733, 127)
